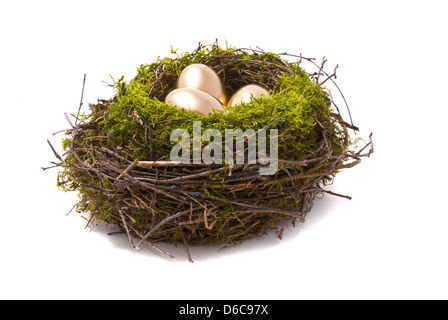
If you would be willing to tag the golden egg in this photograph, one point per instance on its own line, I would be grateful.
(203, 78)
(245, 94)
(194, 100)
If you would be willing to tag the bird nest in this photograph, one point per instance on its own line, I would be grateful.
(117, 156)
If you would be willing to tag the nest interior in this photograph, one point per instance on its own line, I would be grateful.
(116, 155)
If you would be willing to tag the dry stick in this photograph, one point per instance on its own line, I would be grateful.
(152, 245)
(168, 163)
(82, 96)
(163, 222)
(129, 168)
(333, 75)
(149, 186)
(191, 210)
(153, 203)
(193, 176)
(60, 131)
(191, 204)
(68, 119)
(82, 163)
(363, 148)
(320, 69)
(289, 175)
(333, 168)
(115, 155)
(50, 167)
(270, 210)
(337, 194)
(327, 146)
(349, 165)
(343, 123)
(144, 205)
(54, 151)
(313, 175)
(125, 226)
(76, 120)
(130, 218)
(187, 251)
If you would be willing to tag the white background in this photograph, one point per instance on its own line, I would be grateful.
(389, 242)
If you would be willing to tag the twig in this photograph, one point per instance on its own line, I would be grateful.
(50, 167)
(129, 168)
(289, 175)
(152, 245)
(187, 251)
(269, 210)
(60, 131)
(370, 143)
(115, 155)
(125, 226)
(82, 96)
(163, 222)
(333, 75)
(337, 194)
(54, 151)
(320, 69)
(68, 119)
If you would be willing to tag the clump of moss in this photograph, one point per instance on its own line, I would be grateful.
(110, 154)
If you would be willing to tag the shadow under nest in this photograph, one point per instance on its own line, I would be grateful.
(117, 156)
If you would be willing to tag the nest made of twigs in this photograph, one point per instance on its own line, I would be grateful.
(117, 155)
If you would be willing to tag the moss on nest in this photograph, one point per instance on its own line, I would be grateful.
(201, 204)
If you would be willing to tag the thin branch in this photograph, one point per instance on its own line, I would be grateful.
(68, 119)
(320, 69)
(129, 168)
(337, 194)
(163, 222)
(187, 251)
(125, 226)
(82, 96)
(54, 151)
(333, 75)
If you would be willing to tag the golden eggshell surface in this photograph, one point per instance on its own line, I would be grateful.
(202, 77)
(193, 99)
(245, 94)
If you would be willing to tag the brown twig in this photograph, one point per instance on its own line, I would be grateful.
(187, 251)
(82, 96)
